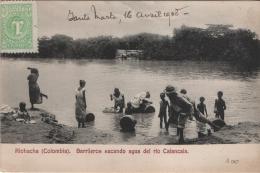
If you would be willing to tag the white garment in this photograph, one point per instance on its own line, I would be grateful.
(5, 109)
(138, 99)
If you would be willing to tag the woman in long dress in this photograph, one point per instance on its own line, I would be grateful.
(34, 89)
(80, 105)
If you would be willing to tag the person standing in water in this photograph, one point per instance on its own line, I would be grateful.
(202, 127)
(119, 100)
(34, 89)
(220, 106)
(164, 105)
(181, 108)
(129, 109)
(80, 105)
(202, 107)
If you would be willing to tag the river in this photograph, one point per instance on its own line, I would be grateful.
(60, 78)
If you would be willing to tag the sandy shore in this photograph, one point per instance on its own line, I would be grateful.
(48, 130)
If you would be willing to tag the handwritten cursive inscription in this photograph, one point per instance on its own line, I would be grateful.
(157, 14)
(100, 17)
(73, 17)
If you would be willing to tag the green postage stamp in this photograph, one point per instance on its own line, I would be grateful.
(18, 27)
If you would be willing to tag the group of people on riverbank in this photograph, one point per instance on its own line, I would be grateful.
(181, 107)
(177, 110)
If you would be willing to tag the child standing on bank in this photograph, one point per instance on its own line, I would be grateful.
(163, 110)
(220, 106)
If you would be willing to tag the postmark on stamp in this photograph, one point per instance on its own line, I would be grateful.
(18, 27)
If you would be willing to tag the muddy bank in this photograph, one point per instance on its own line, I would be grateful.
(242, 133)
(47, 130)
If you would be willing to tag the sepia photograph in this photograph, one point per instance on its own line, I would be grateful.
(131, 73)
(130, 82)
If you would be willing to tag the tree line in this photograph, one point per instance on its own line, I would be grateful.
(216, 42)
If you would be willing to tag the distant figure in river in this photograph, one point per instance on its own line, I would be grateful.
(220, 106)
(80, 105)
(129, 109)
(164, 106)
(34, 89)
(23, 113)
(119, 100)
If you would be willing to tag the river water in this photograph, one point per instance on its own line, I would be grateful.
(59, 79)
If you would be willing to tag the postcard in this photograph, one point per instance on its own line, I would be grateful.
(130, 86)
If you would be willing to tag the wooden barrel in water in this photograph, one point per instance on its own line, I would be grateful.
(218, 122)
(149, 109)
(127, 123)
(90, 117)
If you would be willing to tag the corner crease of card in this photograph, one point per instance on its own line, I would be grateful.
(18, 26)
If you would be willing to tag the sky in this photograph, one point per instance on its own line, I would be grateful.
(53, 17)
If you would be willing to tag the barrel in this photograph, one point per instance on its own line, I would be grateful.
(218, 122)
(90, 117)
(127, 123)
(149, 109)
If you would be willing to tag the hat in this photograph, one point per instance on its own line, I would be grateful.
(170, 89)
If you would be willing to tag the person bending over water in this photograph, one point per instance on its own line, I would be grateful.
(164, 105)
(80, 105)
(140, 101)
(220, 106)
(34, 89)
(183, 92)
(180, 108)
(119, 100)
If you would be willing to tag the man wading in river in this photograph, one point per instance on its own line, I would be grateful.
(180, 108)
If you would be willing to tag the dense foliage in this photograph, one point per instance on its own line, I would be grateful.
(216, 42)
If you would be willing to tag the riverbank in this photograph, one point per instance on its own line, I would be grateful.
(47, 130)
